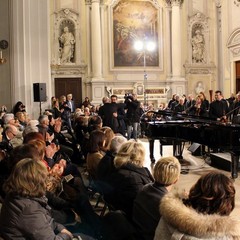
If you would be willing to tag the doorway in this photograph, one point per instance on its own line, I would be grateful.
(63, 86)
(237, 76)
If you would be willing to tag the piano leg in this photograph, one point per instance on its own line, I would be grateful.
(151, 149)
(178, 147)
(234, 164)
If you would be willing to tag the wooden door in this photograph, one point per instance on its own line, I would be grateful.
(237, 76)
(64, 86)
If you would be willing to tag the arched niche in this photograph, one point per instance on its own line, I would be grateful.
(198, 26)
(66, 18)
(233, 45)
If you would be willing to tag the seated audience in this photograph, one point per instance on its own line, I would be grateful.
(19, 107)
(129, 178)
(25, 213)
(106, 164)
(146, 214)
(96, 151)
(204, 214)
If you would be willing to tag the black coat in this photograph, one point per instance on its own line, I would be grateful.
(29, 218)
(218, 109)
(126, 182)
(133, 111)
(106, 113)
(146, 213)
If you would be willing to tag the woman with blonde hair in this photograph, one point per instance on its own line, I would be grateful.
(130, 176)
(25, 213)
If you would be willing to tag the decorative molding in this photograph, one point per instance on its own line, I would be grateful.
(75, 70)
(237, 3)
(233, 43)
(218, 3)
(88, 2)
(199, 69)
(176, 2)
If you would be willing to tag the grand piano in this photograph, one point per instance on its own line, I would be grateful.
(202, 130)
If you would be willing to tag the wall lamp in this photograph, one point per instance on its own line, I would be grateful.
(3, 45)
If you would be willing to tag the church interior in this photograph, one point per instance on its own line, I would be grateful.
(100, 48)
(185, 46)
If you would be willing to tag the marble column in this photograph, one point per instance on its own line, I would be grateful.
(31, 52)
(168, 39)
(176, 38)
(96, 40)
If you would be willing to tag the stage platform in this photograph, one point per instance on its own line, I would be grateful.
(221, 161)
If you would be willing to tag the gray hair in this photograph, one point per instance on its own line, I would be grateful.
(116, 143)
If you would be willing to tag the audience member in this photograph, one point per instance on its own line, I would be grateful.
(146, 205)
(96, 151)
(18, 107)
(130, 176)
(70, 102)
(204, 214)
(25, 213)
(106, 165)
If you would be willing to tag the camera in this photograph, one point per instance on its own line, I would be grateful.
(128, 96)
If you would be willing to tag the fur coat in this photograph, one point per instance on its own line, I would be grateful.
(181, 222)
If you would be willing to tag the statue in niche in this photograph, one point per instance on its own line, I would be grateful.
(198, 47)
(67, 43)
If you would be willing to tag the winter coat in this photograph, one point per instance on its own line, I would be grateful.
(146, 210)
(29, 218)
(126, 182)
(182, 222)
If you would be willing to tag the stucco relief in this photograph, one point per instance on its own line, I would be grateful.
(234, 43)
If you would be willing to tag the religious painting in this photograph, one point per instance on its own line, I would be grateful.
(135, 20)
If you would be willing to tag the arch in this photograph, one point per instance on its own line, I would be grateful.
(233, 44)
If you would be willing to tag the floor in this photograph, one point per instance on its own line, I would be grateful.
(193, 168)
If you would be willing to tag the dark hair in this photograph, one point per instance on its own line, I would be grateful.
(213, 193)
(218, 91)
(96, 141)
(18, 107)
(22, 151)
(114, 96)
(33, 135)
(94, 123)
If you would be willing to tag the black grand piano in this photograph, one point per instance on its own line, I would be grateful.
(200, 130)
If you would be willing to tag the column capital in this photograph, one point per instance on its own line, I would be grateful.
(219, 3)
(95, 1)
(174, 2)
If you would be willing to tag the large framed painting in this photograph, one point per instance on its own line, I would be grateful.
(133, 21)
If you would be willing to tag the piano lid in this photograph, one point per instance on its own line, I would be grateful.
(185, 116)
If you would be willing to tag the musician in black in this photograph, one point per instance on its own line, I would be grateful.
(145, 118)
(200, 107)
(189, 104)
(236, 109)
(218, 108)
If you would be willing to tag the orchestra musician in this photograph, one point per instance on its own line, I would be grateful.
(200, 107)
(236, 109)
(219, 107)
